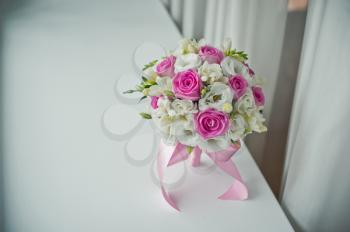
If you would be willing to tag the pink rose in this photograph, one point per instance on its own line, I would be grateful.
(259, 96)
(238, 84)
(187, 85)
(211, 54)
(154, 102)
(211, 123)
(166, 67)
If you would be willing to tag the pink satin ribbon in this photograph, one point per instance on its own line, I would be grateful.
(237, 191)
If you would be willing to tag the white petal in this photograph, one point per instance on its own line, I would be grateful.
(188, 61)
(214, 144)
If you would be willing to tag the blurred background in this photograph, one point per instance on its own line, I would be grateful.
(301, 48)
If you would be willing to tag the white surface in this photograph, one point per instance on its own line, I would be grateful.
(62, 173)
(317, 186)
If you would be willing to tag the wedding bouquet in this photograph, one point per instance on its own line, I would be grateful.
(203, 98)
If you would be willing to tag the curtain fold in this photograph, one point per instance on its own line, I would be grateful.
(316, 186)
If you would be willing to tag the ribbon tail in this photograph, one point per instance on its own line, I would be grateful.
(179, 154)
(197, 152)
(167, 197)
(160, 168)
(238, 190)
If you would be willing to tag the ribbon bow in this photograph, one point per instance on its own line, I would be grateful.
(237, 191)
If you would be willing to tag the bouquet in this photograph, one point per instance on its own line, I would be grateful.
(203, 98)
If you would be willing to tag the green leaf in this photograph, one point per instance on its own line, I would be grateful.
(139, 88)
(145, 86)
(238, 55)
(203, 92)
(216, 98)
(144, 79)
(145, 115)
(150, 64)
(168, 93)
(151, 82)
(130, 91)
(142, 98)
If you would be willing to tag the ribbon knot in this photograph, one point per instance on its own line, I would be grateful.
(237, 191)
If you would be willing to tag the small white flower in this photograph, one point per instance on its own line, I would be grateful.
(214, 144)
(211, 73)
(164, 105)
(146, 91)
(227, 107)
(231, 66)
(154, 90)
(174, 120)
(185, 131)
(165, 126)
(238, 127)
(183, 107)
(163, 84)
(246, 104)
(187, 61)
(164, 121)
(256, 121)
(226, 44)
(216, 97)
(187, 46)
(150, 74)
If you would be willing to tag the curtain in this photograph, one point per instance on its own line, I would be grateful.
(316, 175)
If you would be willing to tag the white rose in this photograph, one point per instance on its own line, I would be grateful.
(183, 107)
(226, 44)
(188, 61)
(231, 66)
(211, 73)
(238, 127)
(246, 104)
(186, 133)
(216, 97)
(256, 121)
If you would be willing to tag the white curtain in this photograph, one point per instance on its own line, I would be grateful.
(254, 26)
(316, 175)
